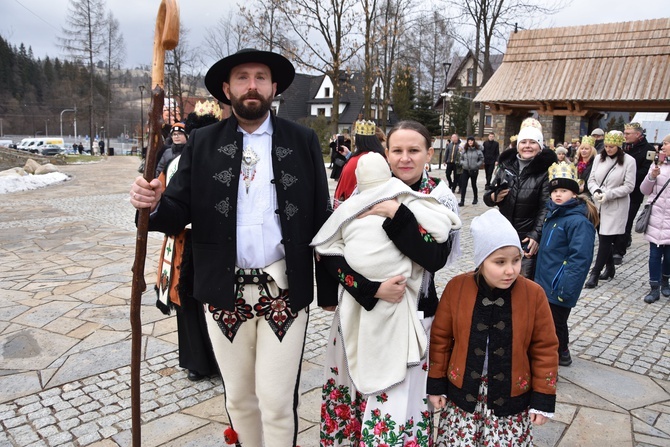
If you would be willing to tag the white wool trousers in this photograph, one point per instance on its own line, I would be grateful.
(259, 349)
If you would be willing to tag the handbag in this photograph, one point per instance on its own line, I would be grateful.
(642, 221)
(339, 162)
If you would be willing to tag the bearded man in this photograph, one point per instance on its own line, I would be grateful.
(255, 191)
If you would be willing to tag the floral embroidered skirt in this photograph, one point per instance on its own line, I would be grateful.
(399, 416)
(482, 428)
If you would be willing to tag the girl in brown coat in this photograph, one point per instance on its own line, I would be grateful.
(493, 347)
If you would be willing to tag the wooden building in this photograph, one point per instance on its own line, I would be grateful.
(570, 76)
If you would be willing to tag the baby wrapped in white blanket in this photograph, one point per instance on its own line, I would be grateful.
(382, 343)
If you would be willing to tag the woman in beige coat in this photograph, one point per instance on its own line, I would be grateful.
(611, 181)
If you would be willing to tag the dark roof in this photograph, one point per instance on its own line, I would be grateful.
(351, 88)
(301, 95)
(295, 99)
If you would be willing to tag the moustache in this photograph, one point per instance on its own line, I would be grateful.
(252, 95)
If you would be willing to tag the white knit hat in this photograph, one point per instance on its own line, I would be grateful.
(372, 170)
(531, 129)
(491, 231)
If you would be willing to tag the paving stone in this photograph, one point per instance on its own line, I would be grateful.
(43, 421)
(627, 390)
(89, 438)
(59, 438)
(24, 435)
(160, 431)
(598, 427)
(15, 422)
(17, 385)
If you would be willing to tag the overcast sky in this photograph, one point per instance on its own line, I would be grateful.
(37, 23)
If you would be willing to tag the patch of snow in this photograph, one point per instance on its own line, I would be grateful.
(15, 183)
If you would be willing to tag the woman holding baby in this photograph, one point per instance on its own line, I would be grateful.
(376, 359)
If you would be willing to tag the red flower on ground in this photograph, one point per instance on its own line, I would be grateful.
(230, 436)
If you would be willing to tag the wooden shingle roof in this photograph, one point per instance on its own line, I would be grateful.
(622, 66)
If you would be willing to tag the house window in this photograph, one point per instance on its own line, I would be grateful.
(470, 76)
(488, 121)
(321, 111)
(327, 92)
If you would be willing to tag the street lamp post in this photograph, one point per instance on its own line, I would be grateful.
(444, 95)
(142, 117)
(75, 121)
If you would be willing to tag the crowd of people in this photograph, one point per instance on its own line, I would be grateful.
(250, 228)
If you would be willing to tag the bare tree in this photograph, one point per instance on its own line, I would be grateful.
(264, 25)
(83, 40)
(492, 20)
(316, 25)
(370, 13)
(115, 50)
(183, 74)
(392, 26)
(228, 36)
(430, 45)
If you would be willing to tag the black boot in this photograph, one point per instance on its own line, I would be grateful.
(654, 294)
(564, 358)
(665, 285)
(592, 282)
(608, 273)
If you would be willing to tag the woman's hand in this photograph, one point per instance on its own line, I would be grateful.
(392, 290)
(438, 401)
(387, 208)
(538, 419)
(532, 247)
(655, 172)
(329, 308)
(498, 197)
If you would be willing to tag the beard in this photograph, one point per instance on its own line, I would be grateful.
(253, 112)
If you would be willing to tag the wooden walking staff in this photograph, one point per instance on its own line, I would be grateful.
(166, 37)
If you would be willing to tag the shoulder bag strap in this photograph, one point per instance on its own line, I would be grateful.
(659, 193)
(606, 175)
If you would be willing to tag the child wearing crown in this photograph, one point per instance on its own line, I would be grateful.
(566, 249)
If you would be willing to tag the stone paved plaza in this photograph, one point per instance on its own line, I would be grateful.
(66, 253)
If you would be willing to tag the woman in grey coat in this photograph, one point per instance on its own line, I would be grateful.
(611, 181)
(472, 159)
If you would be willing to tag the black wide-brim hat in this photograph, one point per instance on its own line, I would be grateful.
(282, 70)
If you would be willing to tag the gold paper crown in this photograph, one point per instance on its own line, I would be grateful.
(635, 126)
(208, 108)
(513, 138)
(614, 138)
(531, 122)
(365, 128)
(588, 140)
(563, 170)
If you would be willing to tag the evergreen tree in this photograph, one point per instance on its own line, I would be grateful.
(424, 113)
(403, 92)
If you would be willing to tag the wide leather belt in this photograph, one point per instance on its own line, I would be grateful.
(250, 276)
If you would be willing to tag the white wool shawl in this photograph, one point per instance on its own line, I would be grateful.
(382, 343)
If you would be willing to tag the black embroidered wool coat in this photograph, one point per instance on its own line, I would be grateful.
(203, 192)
